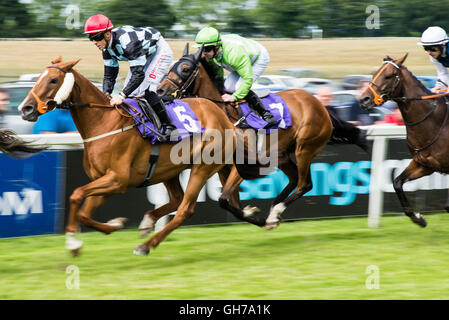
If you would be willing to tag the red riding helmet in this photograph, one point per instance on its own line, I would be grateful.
(97, 23)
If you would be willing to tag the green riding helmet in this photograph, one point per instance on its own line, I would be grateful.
(208, 36)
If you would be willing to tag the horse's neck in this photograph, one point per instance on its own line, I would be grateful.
(418, 110)
(206, 87)
(90, 120)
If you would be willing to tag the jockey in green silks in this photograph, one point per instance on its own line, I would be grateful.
(245, 59)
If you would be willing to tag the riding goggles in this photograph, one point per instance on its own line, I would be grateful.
(96, 37)
(431, 48)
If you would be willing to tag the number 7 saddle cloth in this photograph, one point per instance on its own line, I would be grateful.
(273, 103)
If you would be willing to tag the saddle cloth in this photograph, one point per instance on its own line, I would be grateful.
(182, 116)
(278, 108)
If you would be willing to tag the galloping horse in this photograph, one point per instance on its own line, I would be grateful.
(12, 146)
(426, 119)
(309, 133)
(115, 155)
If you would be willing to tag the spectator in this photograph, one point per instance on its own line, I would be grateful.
(57, 121)
(343, 130)
(4, 100)
(394, 118)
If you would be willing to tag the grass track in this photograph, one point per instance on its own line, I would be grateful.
(324, 259)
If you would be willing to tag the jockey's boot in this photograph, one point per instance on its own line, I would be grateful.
(159, 107)
(256, 104)
(362, 142)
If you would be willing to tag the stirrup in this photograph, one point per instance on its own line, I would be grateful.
(270, 119)
(168, 130)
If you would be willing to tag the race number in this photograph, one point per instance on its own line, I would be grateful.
(189, 123)
(280, 109)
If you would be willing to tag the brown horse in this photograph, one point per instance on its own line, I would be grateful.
(115, 155)
(13, 146)
(425, 117)
(309, 133)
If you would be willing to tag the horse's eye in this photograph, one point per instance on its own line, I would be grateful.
(54, 81)
(185, 70)
(388, 77)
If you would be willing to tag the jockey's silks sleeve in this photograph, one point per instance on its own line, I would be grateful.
(135, 45)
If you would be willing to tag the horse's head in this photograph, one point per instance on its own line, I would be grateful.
(182, 74)
(384, 85)
(52, 88)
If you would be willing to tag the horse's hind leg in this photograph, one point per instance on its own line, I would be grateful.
(175, 194)
(198, 178)
(229, 199)
(412, 172)
(304, 155)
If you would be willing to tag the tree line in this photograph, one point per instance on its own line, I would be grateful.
(257, 18)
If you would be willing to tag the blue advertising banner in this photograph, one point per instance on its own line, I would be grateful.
(31, 194)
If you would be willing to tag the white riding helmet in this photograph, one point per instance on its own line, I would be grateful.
(433, 36)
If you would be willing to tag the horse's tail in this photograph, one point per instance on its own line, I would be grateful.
(346, 133)
(13, 146)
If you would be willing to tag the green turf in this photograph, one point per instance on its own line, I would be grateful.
(319, 259)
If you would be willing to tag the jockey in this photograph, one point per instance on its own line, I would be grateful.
(245, 59)
(435, 43)
(148, 55)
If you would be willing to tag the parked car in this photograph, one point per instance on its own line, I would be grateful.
(352, 81)
(312, 84)
(275, 83)
(301, 73)
(428, 81)
(12, 119)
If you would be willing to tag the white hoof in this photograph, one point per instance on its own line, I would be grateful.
(273, 220)
(146, 226)
(119, 223)
(249, 211)
(71, 242)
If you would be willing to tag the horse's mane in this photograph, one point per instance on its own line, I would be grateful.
(219, 85)
(388, 58)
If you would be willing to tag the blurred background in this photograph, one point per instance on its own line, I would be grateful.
(312, 44)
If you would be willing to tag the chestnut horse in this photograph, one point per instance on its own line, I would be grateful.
(116, 156)
(13, 146)
(426, 119)
(309, 133)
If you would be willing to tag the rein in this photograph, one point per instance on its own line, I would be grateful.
(379, 99)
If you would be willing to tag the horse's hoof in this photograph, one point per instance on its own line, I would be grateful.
(249, 211)
(118, 223)
(75, 252)
(143, 233)
(419, 220)
(141, 250)
(272, 225)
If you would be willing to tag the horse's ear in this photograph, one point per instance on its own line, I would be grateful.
(401, 61)
(198, 53)
(186, 50)
(69, 65)
(57, 60)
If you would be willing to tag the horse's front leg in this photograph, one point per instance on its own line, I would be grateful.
(413, 171)
(94, 194)
(175, 194)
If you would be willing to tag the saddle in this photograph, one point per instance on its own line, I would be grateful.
(241, 123)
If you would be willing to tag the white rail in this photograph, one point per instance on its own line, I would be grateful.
(379, 135)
